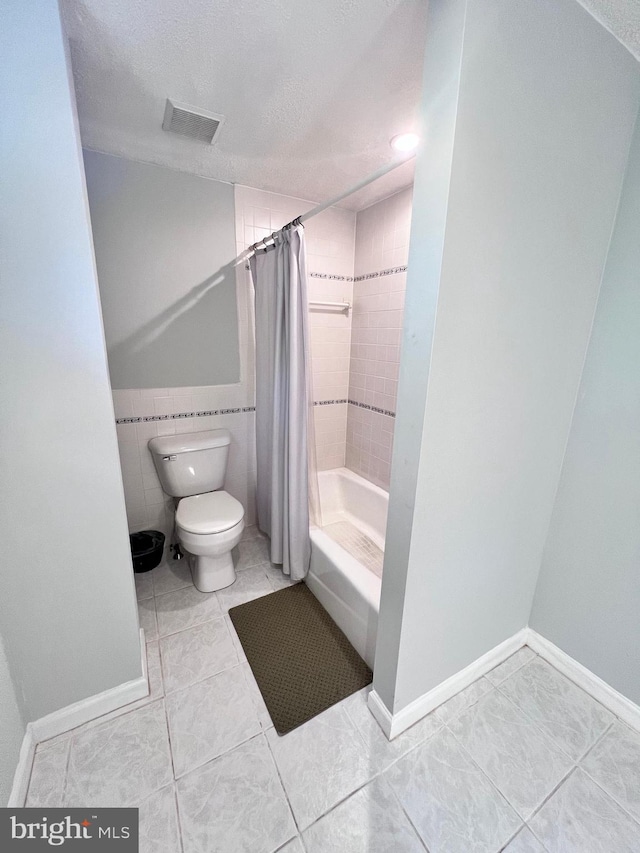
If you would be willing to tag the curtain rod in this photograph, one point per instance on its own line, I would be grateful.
(383, 170)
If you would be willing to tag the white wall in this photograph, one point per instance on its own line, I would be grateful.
(12, 729)
(67, 608)
(588, 595)
(546, 105)
(441, 81)
(164, 243)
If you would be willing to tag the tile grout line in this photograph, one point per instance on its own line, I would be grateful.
(555, 790)
(513, 838)
(202, 680)
(600, 737)
(187, 627)
(609, 795)
(33, 761)
(219, 618)
(488, 778)
(96, 722)
(531, 719)
(536, 726)
(575, 762)
(544, 847)
(517, 669)
(404, 754)
(166, 722)
(381, 774)
(209, 760)
(252, 692)
(67, 765)
(167, 694)
(468, 707)
(297, 837)
(355, 790)
(342, 800)
(378, 775)
(283, 786)
(225, 751)
(176, 801)
(191, 584)
(406, 813)
(77, 733)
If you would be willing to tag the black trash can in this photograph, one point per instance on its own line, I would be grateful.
(146, 549)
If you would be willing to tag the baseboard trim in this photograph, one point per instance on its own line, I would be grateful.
(394, 724)
(68, 718)
(381, 713)
(94, 706)
(591, 683)
(22, 775)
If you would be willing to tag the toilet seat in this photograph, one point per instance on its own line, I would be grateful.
(212, 512)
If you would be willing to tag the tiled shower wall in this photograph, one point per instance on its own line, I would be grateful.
(330, 242)
(382, 247)
(145, 413)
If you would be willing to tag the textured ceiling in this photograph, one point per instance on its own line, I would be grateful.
(312, 90)
(621, 18)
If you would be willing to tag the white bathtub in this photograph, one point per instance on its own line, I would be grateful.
(348, 590)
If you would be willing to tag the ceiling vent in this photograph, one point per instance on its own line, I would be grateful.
(189, 121)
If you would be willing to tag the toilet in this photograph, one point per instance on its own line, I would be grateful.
(209, 521)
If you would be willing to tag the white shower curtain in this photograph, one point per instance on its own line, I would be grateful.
(283, 400)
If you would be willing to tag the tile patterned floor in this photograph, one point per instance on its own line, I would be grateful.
(522, 761)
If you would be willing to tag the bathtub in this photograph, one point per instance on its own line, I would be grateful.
(348, 591)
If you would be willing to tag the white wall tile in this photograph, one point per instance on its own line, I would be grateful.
(382, 241)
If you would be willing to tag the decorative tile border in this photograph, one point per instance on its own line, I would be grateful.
(330, 277)
(376, 274)
(325, 275)
(372, 408)
(180, 415)
(242, 410)
(380, 273)
(364, 277)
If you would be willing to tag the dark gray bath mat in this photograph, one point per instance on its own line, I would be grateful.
(302, 661)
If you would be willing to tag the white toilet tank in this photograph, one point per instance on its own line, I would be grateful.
(192, 463)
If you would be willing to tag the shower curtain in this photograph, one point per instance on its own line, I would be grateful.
(284, 423)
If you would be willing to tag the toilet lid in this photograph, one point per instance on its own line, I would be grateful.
(212, 512)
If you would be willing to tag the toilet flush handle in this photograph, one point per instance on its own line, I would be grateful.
(169, 458)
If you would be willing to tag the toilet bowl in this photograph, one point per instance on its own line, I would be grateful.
(209, 526)
(209, 521)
